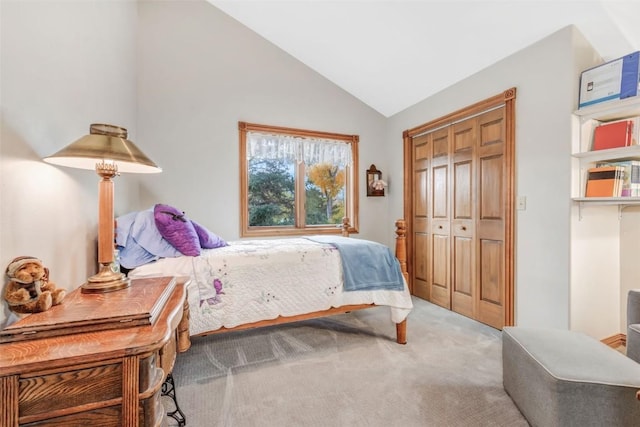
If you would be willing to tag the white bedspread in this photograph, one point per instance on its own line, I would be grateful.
(253, 280)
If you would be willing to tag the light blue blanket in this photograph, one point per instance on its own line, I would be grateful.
(366, 265)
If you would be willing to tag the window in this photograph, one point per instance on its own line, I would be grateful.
(295, 181)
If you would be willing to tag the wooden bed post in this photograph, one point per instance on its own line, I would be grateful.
(345, 226)
(401, 332)
(401, 254)
(401, 247)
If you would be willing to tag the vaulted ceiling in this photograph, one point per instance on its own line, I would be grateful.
(392, 54)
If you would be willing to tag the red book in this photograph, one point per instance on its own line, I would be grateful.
(613, 135)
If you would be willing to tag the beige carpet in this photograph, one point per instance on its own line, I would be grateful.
(347, 370)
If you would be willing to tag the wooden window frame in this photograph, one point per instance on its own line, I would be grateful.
(300, 228)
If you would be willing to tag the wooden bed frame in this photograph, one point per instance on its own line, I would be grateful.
(401, 328)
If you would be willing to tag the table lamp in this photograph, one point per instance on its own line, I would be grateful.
(107, 150)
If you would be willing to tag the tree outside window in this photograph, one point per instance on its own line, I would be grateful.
(271, 193)
(296, 181)
(324, 195)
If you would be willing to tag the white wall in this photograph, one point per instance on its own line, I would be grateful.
(545, 75)
(64, 65)
(595, 282)
(200, 73)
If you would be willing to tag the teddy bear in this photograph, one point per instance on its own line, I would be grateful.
(29, 289)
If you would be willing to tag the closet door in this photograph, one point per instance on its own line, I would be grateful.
(459, 184)
(460, 206)
(421, 155)
(463, 217)
(492, 176)
(440, 220)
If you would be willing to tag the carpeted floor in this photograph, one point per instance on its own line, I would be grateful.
(347, 370)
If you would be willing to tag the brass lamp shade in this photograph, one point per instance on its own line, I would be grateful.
(107, 150)
(108, 143)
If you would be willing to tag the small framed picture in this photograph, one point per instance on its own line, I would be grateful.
(375, 184)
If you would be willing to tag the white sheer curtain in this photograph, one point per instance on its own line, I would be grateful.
(292, 148)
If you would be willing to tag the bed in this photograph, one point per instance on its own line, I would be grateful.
(253, 283)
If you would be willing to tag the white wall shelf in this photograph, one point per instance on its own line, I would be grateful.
(612, 110)
(621, 202)
(587, 119)
(624, 153)
(608, 200)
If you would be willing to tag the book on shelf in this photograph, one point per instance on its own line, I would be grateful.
(605, 181)
(631, 178)
(616, 134)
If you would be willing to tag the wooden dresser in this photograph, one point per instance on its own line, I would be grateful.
(94, 370)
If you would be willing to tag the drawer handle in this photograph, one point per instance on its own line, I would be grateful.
(463, 228)
(440, 227)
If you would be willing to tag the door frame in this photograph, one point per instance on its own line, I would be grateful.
(506, 99)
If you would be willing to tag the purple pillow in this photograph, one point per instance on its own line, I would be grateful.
(177, 229)
(208, 240)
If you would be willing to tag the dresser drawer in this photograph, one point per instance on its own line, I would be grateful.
(103, 417)
(44, 394)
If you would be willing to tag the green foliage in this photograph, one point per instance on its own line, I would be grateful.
(271, 193)
(338, 212)
(315, 206)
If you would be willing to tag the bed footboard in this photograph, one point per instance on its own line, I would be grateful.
(401, 328)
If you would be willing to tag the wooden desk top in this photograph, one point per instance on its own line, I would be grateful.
(88, 346)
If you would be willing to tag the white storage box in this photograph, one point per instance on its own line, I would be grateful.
(617, 79)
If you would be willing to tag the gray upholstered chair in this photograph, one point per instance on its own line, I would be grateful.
(633, 324)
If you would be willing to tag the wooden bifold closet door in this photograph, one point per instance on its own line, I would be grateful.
(459, 202)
